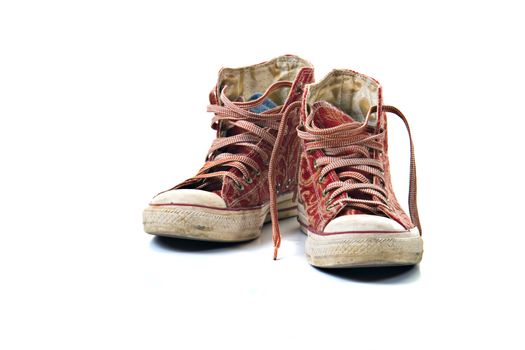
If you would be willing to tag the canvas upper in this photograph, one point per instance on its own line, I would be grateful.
(344, 176)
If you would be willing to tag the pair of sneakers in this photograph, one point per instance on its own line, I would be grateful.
(287, 147)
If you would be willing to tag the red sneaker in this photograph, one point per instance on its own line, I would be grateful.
(346, 202)
(253, 161)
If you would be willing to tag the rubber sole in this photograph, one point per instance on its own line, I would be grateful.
(213, 224)
(349, 250)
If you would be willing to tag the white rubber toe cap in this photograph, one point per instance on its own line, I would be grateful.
(362, 222)
(189, 196)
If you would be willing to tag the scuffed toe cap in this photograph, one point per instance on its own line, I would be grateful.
(189, 196)
(362, 222)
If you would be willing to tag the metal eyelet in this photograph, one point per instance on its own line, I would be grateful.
(324, 193)
(315, 164)
(248, 180)
(257, 172)
(238, 186)
(329, 207)
(321, 179)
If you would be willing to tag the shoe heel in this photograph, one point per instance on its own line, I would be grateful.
(302, 218)
(287, 208)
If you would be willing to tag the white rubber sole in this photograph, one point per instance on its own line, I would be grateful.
(213, 224)
(347, 250)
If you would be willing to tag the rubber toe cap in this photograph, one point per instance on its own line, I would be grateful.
(190, 197)
(362, 222)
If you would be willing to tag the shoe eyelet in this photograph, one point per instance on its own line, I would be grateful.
(324, 193)
(257, 173)
(321, 179)
(248, 180)
(315, 164)
(238, 186)
(329, 207)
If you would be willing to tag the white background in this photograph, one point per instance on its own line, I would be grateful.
(102, 105)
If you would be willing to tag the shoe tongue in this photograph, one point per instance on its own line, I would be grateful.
(326, 115)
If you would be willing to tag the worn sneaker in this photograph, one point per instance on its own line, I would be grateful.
(251, 167)
(347, 205)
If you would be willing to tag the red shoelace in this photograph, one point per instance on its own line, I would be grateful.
(256, 127)
(349, 147)
(351, 150)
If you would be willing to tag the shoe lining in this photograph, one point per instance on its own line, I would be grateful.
(244, 82)
(351, 92)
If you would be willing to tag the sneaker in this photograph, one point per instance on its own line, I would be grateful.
(250, 173)
(347, 205)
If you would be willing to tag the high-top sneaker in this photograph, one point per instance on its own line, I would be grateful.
(346, 202)
(251, 168)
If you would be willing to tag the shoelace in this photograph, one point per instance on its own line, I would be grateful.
(349, 150)
(257, 126)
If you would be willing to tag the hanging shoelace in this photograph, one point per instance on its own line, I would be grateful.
(257, 127)
(350, 150)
